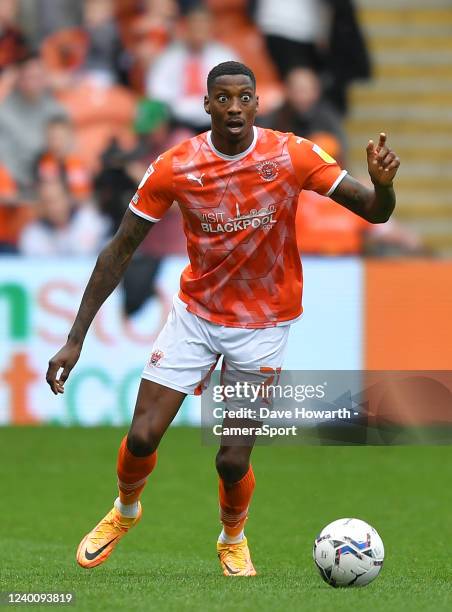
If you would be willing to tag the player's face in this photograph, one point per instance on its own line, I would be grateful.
(232, 104)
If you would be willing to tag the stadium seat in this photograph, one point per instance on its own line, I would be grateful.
(99, 115)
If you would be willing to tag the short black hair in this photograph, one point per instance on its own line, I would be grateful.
(228, 68)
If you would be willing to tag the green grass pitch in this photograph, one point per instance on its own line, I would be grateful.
(57, 483)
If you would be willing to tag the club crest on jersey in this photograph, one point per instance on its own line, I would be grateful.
(155, 358)
(268, 170)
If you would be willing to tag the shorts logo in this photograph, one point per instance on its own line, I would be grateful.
(268, 170)
(135, 198)
(155, 358)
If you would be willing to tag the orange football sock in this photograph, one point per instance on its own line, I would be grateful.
(132, 473)
(235, 499)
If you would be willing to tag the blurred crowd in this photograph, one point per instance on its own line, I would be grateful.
(91, 91)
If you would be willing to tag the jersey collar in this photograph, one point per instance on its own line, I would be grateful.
(232, 157)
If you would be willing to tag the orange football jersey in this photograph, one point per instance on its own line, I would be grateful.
(239, 219)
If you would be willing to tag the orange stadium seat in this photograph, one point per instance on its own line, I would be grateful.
(326, 228)
(100, 114)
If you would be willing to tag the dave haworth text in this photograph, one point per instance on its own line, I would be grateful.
(292, 414)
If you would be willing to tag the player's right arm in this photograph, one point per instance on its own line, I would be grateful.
(152, 200)
(108, 271)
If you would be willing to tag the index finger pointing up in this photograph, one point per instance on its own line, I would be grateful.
(382, 140)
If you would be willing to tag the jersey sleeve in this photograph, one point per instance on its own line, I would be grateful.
(154, 195)
(314, 168)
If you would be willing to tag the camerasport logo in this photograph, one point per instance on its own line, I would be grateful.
(268, 170)
(155, 358)
(217, 222)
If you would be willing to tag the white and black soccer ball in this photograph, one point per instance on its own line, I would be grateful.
(348, 552)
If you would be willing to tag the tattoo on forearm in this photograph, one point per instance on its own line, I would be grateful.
(374, 205)
(108, 271)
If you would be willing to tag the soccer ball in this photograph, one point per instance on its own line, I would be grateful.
(348, 552)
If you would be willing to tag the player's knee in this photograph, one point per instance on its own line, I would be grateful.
(231, 464)
(142, 443)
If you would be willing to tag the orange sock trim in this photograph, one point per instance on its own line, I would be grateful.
(132, 473)
(235, 499)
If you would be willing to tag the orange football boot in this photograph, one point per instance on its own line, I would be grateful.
(98, 544)
(235, 559)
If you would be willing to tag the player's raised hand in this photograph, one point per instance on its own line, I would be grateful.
(381, 162)
(66, 358)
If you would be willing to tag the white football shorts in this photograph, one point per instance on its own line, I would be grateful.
(188, 348)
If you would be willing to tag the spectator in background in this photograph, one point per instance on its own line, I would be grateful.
(346, 57)
(14, 213)
(152, 125)
(156, 137)
(104, 49)
(62, 228)
(59, 161)
(8, 207)
(179, 75)
(305, 111)
(94, 49)
(13, 46)
(292, 31)
(145, 37)
(123, 170)
(24, 116)
(323, 35)
(39, 18)
(114, 186)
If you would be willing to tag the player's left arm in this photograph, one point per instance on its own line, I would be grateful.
(374, 205)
